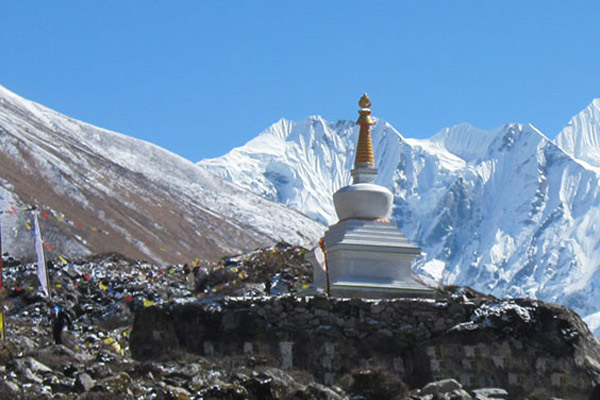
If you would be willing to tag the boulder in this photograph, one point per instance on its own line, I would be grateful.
(84, 383)
(443, 386)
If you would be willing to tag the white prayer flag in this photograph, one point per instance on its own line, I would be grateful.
(41, 259)
(320, 257)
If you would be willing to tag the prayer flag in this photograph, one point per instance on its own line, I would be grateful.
(42, 272)
(47, 246)
(320, 257)
(2, 325)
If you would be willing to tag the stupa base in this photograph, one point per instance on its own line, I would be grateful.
(369, 259)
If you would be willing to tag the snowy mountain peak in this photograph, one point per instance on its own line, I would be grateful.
(464, 140)
(581, 137)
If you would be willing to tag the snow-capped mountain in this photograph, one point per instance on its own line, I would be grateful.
(505, 211)
(103, 191)
(581, 137)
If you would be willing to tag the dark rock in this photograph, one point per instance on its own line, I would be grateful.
(225, 392)
(84, 383)
(270, 384)
(376, 383)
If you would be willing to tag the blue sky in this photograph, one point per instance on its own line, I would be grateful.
(202, 77)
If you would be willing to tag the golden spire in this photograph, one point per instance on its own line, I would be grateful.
(364, 148)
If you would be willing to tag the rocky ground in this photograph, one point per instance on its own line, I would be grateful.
(102, 293)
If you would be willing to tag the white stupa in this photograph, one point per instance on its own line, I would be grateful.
(365, 255)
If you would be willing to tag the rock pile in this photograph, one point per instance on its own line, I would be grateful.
(104, 293)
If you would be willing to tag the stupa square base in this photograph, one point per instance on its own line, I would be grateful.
(369, 259)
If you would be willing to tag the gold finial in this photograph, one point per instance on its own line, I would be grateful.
(365, 101)
(365, 113)
(364, 148)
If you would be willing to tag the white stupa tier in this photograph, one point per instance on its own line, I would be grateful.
(366, 255)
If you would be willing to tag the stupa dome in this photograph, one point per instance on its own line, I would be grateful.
(363, 201)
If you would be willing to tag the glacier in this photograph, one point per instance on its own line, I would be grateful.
(506, 211)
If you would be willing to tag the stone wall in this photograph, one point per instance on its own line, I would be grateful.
(480, 341)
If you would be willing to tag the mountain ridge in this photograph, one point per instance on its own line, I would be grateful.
(140, 194)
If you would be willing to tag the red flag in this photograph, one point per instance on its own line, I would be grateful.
(47, 246)
(45, 215)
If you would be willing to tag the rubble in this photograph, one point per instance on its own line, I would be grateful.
(103, 293)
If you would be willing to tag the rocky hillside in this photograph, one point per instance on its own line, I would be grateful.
(102, 191)
(143, 331)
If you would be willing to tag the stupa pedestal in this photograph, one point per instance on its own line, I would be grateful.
(369, 259)
(365, 255)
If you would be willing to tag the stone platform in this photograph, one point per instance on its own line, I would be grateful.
(517, 344)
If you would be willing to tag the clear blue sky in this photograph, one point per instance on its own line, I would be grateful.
(201, 77)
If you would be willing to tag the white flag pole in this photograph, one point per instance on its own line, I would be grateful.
(42, 271)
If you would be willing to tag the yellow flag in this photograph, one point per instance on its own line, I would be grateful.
(63, 260)
(2, 325)
(148, 303)
(103, 287)
(27, 226)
